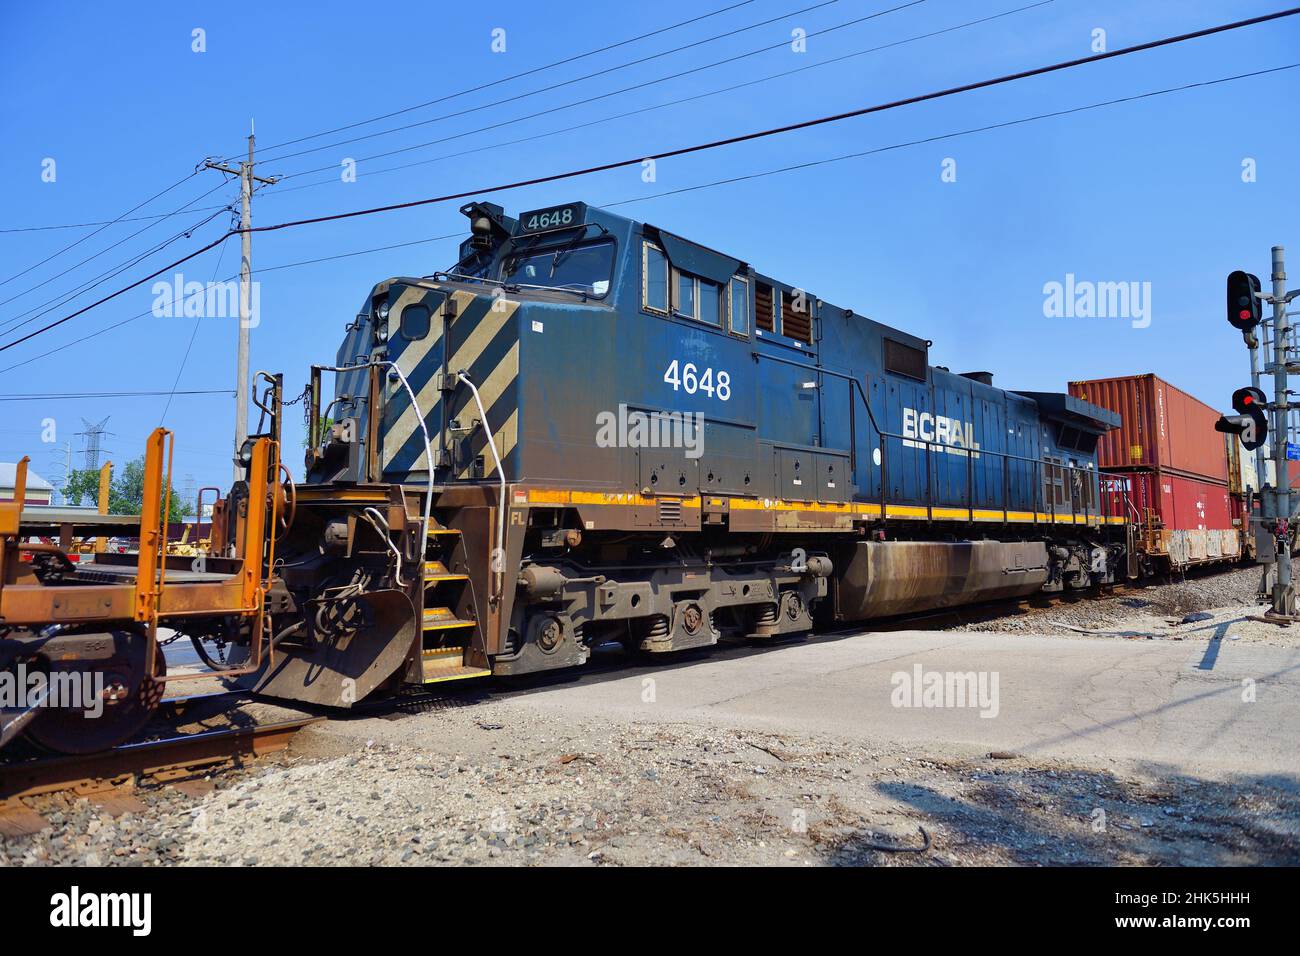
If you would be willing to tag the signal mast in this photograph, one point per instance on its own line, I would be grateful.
(1274, 525)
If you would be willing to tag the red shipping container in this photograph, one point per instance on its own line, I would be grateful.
(1182, 521)
(1163, 427)
(1164, 499)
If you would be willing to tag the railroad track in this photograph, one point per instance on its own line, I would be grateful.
(117, 772)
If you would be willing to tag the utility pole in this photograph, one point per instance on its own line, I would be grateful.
(67, 470)
(246, 180)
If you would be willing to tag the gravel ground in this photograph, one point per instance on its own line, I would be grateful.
(1155, 612)
(477, 780)
(666, 795)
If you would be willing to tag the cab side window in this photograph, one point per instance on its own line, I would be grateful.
(654, 279)
(697, 298)
(738, 306)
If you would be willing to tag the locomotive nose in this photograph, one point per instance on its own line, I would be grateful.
(449, 342)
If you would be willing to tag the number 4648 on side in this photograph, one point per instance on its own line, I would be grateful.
(713, 384)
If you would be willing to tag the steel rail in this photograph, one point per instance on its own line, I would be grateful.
(158, 759)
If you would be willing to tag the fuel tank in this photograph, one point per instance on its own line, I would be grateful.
(883, 578)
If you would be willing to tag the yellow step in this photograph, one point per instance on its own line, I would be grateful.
(435, 572)
(437, 530)
(448, 663)
(442, 618)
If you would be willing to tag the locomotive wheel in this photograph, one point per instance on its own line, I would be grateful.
(128, 699)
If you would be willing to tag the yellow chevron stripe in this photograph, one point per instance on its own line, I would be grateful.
(491, 389)
(493, 322)
(426, 393)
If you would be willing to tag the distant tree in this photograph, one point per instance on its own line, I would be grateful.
(326, 423)
(126, 493)
(82, 486)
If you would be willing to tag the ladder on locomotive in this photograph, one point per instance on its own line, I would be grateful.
(447, 639)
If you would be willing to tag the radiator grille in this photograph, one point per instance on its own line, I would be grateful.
(763, 308)
(796, 322)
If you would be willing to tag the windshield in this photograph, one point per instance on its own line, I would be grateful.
(586, 269)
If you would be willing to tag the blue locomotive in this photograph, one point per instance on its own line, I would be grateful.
(590, 429)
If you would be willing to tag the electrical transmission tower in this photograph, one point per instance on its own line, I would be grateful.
(94, 435)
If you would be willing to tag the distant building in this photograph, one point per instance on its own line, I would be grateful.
(39, 491)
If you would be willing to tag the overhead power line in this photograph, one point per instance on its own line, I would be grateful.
(686, 150)
(45, 282)
(1021, 121)
(767, 48)
(795, 127)
(56, 254)
(105, 222)
(709, 185)
(507, 79)
(125, 217)
(54, 396)
(194, 333)
(229, 278)
(50, 305)
(644, 109)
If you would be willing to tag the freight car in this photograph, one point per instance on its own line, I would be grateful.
(589, 430)
(1187, 491)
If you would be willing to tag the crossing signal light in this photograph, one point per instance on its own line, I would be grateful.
(1246, 400)
(1243, 303)
(1250, 422)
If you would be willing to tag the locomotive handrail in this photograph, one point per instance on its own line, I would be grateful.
(1006, 457)
(424, 430)
(497, 563)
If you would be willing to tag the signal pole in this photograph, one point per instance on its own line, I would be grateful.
(246, 179)
(1260, 500)
(1275, 517)
(1283, 593)
(1253, 343)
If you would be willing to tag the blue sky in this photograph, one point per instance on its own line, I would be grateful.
(1146, 192)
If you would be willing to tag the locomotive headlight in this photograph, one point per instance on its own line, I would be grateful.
(480, 228)
(382, 312)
